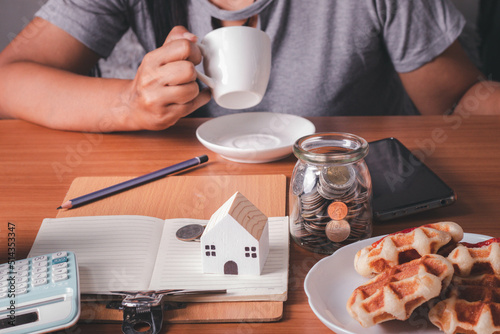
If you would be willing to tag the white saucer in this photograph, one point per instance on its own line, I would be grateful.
(253, 137)
(331, 281)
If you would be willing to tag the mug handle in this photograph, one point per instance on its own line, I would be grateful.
(203, 77)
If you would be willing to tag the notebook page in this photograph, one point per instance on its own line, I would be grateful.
(113, 252)
(179, 266)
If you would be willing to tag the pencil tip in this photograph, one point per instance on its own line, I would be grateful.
(66, 205)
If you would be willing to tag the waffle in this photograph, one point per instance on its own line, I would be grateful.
(396, 292)
(404, 246)
(473, 306)
(476, 259)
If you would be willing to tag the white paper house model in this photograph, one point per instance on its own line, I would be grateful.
(236, 239)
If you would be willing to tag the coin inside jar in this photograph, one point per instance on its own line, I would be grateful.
(190, 232)
(337, 230)
(340, 177)
(337, 210)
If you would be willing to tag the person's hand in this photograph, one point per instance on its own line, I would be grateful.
(164, 88)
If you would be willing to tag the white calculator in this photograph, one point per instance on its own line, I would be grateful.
(39, 294)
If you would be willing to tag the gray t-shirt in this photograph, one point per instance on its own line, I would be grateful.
(330, 57)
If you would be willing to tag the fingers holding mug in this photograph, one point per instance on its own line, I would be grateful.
(176, 73)
(182, 44)
(180, 32)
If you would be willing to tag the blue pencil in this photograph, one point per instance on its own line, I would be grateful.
(78, 201)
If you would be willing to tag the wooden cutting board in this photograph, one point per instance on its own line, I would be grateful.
(184, 197)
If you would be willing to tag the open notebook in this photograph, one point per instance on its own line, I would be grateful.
(142, 253)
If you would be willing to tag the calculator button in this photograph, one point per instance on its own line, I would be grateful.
(22, 273)
(39, 264)
(40, 258)
(3, 295)
(39, 270)
(60, 265)
(39, 275)
(59, 271)
(4, 278)
(4, 284)
(4, 266)
(60, 260)
(22, 268)
(60, 277)
(22, 262)
(39, 281)
(59, 254)
(3, 289)
(21, 291)
(21, 286)
(4, 271)
(22, 279)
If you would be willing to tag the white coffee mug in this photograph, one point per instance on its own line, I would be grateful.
(237, 64)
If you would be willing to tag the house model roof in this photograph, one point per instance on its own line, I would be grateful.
(243, 212)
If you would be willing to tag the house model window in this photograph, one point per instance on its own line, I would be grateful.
(253, 253)
(236, 239)
(210, 250)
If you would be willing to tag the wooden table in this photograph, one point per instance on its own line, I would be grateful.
(37, 166)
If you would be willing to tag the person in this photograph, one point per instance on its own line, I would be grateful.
(380, 57)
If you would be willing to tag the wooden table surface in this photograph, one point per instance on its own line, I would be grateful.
(37, 166)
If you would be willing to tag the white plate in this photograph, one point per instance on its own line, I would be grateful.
(331, 281)
(253, 137)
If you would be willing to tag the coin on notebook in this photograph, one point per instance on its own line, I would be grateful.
(190, 232)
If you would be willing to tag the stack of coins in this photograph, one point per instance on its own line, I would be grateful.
(332, 208)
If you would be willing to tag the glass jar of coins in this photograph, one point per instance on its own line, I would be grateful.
(330, 192)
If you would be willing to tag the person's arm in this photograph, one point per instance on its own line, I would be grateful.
(451, 79)
(42, 80)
